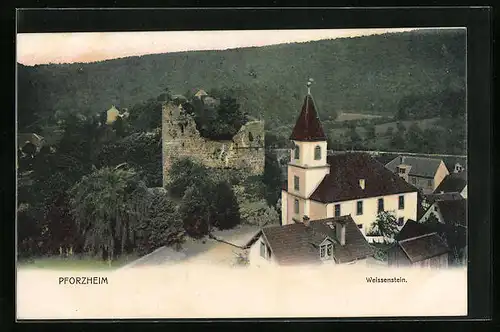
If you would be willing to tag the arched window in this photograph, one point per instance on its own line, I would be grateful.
(296, 206)
(296, 154)
(317, 153)
(250, 137)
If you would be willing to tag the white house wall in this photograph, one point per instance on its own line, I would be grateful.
(433, 209)
(255, 259)
(464, 192)
(370, 209)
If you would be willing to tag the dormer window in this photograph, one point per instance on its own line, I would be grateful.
(317, 153)
(326, 250)
(296, 153)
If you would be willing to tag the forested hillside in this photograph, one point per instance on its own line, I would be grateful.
(364, 75)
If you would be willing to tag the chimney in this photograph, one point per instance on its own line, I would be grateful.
(402, 158)
(306, 220)
(340, 231)
(362, 183)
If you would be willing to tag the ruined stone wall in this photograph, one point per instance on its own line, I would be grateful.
(181, 138)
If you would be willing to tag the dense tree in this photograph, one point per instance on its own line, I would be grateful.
(162, 225)
(141, 151)
(184, 173)
(107, 205)
(197, 211)
(370, 131)
(384, 225)
(219, 119)
(226, 209)
(272, 178)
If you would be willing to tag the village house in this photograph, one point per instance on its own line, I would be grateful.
(432, 198)
(320, 186)
(423, 173)
(427, 250)
(449, 219)
(334, 240)
(453, 183)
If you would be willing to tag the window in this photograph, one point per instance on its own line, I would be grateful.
(359, 208)
(296, 206)
(360, 226)
(380, 205)
(296, 154)
(401, 170)
(265, 250)
(317, 153)
(401, 221)
(296, 185)
(337, 210)
(326, 251)
(429, 183)
(401, 202)
(414, 180)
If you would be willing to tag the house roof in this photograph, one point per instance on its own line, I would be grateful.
(308, 126)
(201, 93)
(454, 182)
(432, 198)
(299, 244)
(454, 212)
(423, 247)
(346, 169)
(413, 229)
(420, 166)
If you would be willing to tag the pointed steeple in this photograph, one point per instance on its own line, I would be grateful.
(308, 126)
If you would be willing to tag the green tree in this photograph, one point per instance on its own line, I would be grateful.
(184, 173)
(370, 131)
(384, 225)
(141, 151)
(106, 205)
(197, 210)
(226, 209)
(162, 225)
(272, 178)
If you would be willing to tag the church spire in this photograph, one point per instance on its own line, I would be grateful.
(308, 126)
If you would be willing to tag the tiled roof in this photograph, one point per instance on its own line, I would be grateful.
(413, 229)
(308, 126)
(299, 244)
(454, 182)
(345, 172)
(453, 212)
(432, 198)
(423, 247)
(420, 166)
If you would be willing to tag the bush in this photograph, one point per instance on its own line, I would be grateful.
(258, 212)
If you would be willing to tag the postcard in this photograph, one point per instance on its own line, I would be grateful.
(242, 174)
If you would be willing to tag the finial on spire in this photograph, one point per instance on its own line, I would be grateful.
(309, 83)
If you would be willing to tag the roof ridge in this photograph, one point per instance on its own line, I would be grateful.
(417, 237)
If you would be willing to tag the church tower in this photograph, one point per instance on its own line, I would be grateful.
(308, 162)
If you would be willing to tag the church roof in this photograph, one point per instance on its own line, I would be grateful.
(346, 169)
(308, 126)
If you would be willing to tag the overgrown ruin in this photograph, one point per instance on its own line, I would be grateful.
(181, 138)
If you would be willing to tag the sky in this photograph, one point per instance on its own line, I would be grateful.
(43, 48)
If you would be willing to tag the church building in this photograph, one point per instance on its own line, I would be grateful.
(319, 186)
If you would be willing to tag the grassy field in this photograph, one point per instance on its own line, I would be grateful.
(355, 116)
(74, 263)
